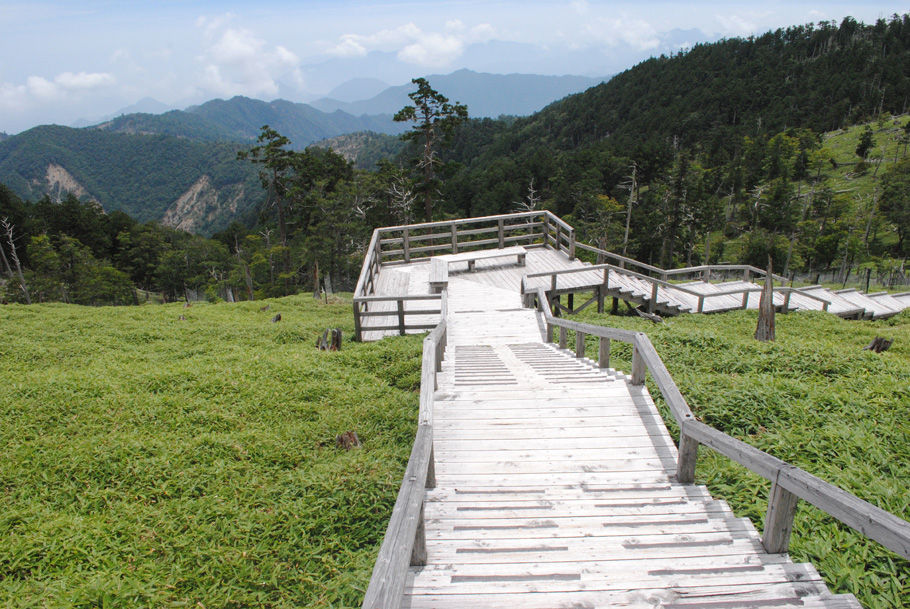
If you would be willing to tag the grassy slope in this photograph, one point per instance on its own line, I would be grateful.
(147, 461)
(813, 398)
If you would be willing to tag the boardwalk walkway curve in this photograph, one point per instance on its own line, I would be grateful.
(542, 478)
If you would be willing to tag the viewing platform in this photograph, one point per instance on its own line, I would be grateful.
(540, 476)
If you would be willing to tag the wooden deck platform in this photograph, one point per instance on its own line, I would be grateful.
(555, 484)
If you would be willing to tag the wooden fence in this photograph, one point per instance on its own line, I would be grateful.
(788, 482)
(416, 242)
(404, 543)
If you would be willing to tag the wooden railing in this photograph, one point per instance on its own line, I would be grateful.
(657, 284)
(405, 543)
(788, 482)
(416, 242)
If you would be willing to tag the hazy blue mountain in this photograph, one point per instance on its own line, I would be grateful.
(487, 95)
(358, 88)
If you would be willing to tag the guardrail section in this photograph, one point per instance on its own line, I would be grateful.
(788, 482)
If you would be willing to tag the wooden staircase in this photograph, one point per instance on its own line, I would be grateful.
(556, 487)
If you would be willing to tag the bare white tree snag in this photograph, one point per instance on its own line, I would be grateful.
(8, 229)
(632, 185)
(765, 329)
(530, 202)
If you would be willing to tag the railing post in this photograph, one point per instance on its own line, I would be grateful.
(688, 456)
(652, 304)
(558, 238)
(603, 353)
(638, 367)
(579, 344)
(400, 316)
(358, 333)
(431, 471)
(419, 552)
(454, 239)
(746, 299)
(747, 275)
(553, 282)
(546, 231)
(787, 301)
(572, 244)
(406, 244)
(549, 333)
(502, 242)
(563, 338)
(779, 519)
(701, 304)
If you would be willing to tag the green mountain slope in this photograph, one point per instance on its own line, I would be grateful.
(142, 175)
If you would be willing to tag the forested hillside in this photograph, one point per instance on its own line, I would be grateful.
(719, 150)
(144, 176)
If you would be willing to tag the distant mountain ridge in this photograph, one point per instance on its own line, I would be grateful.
(240, 119)
(486, 95)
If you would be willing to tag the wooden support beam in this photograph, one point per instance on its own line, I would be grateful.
(406, 245)
(563, 338)
(454, 239)
(603, 353)
(501, 235)
(419, 551)
(358, 333)
(400, 316)
(599, 291)
(652, 304)
(579, 344)
(688, 456)
(779, 519)
(638, 367)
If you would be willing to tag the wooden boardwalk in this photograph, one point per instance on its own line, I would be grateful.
(555, 485)
(412, 280)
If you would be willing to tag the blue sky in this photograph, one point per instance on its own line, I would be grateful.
(64, 61)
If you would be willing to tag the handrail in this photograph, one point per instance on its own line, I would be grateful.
(788, 482)
(404, 543)
(724, 267)
(461, 221)
(367, 263)
(623, 259)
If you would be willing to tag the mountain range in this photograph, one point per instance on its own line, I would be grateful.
(486, 95)
(180, 167)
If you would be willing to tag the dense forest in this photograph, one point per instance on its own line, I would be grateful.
(792, 144)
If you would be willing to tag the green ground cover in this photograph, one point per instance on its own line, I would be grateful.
(148, 461)
(813, 398)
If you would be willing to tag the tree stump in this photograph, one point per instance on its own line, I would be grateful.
(878, 344)
(764, 331)
(347, 440)
(330, 340)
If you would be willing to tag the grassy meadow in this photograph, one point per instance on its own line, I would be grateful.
(813, 398)
(149, 461)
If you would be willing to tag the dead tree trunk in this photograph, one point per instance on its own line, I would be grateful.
(765, 329)
(8, 229)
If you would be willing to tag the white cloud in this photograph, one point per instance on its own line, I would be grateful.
(39, 90)
(580, 6)
(432, 50)
(623, 30)
(414, 45)
(84, 80)
(237, 62)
